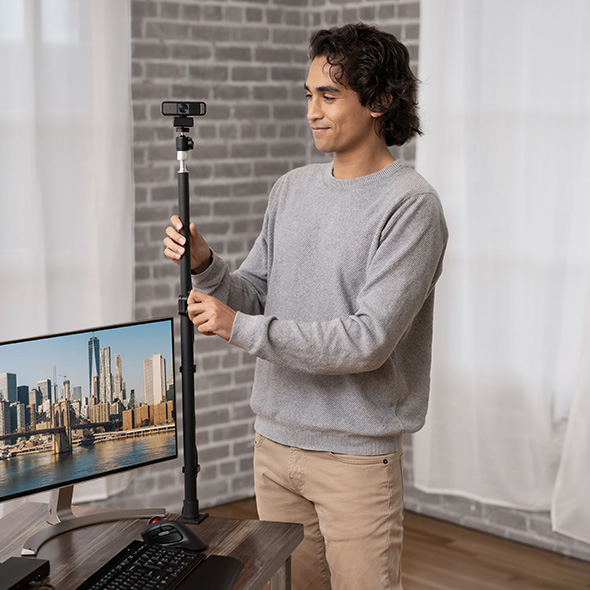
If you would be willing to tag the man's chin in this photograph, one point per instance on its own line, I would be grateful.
(324, 148)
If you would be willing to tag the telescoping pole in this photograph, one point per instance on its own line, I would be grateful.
(190, 510)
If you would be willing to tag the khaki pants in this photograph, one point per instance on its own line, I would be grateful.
(351, 507)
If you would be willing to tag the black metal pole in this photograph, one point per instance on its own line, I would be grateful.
(190, 509)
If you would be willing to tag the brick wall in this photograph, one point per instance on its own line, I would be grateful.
(247, 59)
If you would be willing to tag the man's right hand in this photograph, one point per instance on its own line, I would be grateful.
(174, 242)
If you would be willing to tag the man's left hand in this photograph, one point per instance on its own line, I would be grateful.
(209, 315)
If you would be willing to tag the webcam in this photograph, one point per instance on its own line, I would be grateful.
(184, 109)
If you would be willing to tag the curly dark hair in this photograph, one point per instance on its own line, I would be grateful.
(376, 65)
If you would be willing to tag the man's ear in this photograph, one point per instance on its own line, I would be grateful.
(381, 106)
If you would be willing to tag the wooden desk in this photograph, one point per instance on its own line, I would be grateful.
(263, 547)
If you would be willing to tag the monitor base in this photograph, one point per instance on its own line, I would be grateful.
(62, 518)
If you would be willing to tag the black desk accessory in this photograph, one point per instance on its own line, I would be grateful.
(171, 533)
(217, 572)
(17, 572)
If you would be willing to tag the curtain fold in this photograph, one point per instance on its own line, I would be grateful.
(505, 102)
(66, 186)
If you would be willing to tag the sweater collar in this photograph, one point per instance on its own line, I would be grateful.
(384, 174)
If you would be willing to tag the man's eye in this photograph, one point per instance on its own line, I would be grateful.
(329, 98)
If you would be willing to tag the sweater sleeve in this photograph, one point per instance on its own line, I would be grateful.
(244, 290)
(400, 279)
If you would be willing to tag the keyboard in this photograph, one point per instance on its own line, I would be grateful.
(144, 566)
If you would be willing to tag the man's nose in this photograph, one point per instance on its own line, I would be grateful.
(313, 110)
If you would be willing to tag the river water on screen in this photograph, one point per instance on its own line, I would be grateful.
(25, 473)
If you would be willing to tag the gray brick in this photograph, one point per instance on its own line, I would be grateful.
(274, 54)
(150, 213)
(139, 112)
(254, 14)
(142, 272)
(250, 188)
(232, 395)
(243, 447)
(411, 32)
(234, 14)
(191, 12)
(274, 16)
(293, 18)
(149, 174)
(173, 71)
(241, 412)
(270, 93)
(291, 3)
(289, 36)
(231, 92)
(228, 131)
(285, 149)
(148, 50)
(169, 10)
(210, 151)
(193, 91)
(248, 130)
(233, 170)
(505, 517)
(290, 111)
(233, 53)
(231, 208)
(213, 453)
(164, 270)
(166, 31)
(251, 34)
(244, 483)
(214, 33)
(218, 111)
(350, 15)
(230, 433)
(256, 111)
(410, 10)
(215, 489)
(331, 18)
(249, 74)
(212, 12)
(141, 9)
(189, 51)
(248, 150)
(209, 73)
(227, 468)
(367, 13)
(386, 11)
(244, 375)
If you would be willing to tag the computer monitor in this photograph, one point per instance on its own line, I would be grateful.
(82, 405)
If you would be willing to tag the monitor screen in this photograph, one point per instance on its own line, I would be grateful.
(85, 404)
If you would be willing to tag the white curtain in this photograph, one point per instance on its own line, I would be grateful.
(506, 108)
(66, 196)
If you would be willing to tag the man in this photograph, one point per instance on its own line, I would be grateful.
(336, 302)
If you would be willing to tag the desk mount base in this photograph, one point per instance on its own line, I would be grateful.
(62, 519)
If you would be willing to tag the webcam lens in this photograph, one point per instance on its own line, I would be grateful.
(183, 108)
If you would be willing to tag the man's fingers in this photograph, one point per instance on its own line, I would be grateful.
(196, 296)
(175, 236)
(176, 222)
(209, 315)
(173, 251)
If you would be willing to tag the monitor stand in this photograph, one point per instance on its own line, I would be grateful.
(62, 518)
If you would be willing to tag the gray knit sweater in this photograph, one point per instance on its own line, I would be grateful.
(336, 302)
